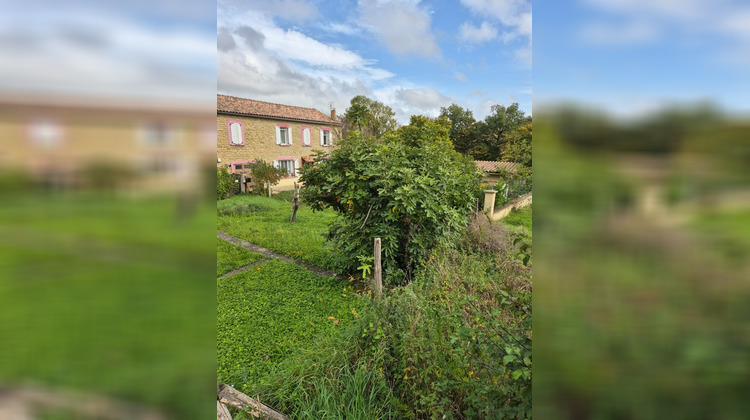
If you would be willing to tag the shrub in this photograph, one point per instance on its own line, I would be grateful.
(411, 189)
(225, 187)
(265, 175)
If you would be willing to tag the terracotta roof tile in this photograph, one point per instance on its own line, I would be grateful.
(490, 166)
(235, 105)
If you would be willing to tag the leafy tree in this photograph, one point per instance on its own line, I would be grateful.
(411, 189)
(517, 147)
(500, 122)
(265, 175)
(463, 133)
(371, 117)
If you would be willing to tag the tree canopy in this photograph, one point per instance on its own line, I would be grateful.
(489, 139)
(411, 189)
(372, 118)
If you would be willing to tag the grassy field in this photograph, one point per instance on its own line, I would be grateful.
(519, 217)
(108, 295)
(265, 222)
(272, 310)
(230, 257)
(268, 312)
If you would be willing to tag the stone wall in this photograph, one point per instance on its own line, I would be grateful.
(522, 201)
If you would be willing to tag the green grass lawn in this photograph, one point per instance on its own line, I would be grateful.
(230, 257)
(109, 295)
(269, 311)
(519, 217)
(265, 222)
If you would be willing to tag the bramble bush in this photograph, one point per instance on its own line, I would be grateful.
(411, 189)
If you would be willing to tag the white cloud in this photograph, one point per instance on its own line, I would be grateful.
(423, 98)
(402, 25)
(473, 34)
(294, 45)
(280, 65)
(460, 77)
(514, 15)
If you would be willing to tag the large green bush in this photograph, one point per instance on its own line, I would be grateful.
(411, 189)
(224, 184)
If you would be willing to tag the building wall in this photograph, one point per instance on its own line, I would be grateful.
(260, 140)
(58, 140)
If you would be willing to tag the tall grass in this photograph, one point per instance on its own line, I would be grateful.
(454, 343)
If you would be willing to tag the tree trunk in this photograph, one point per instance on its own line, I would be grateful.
(296, 203)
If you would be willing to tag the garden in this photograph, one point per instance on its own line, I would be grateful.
(450, 337)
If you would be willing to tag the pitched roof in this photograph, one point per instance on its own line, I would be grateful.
(242, 106)
(490, 166)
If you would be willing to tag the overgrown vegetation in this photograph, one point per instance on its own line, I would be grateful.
(412, 190)
(456, 342)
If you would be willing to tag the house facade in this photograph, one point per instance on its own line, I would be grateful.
(286, 136)
(58, 140)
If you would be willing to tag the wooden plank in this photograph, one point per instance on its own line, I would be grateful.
(377, 270)
(222, 413)
(231, 396)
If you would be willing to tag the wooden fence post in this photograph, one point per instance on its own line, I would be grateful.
(377, 272)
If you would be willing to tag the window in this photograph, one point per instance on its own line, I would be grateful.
(236, 133)
(283, 135)
(156, 134)
(325, 136)
(306, 135)
(288, 164)
(240, 166)
(46, 133)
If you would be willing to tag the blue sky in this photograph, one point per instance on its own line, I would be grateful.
(633, 56)
(413, 55)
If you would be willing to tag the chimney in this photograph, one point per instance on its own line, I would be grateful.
(333, 113)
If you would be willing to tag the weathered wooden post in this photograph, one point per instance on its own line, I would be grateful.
(489, 201)
(243, 183)
(376, 271)
(296, 203)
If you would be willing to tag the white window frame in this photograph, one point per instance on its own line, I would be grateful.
(325, 133)
(294, 167)
(288, 137)
(241, 129)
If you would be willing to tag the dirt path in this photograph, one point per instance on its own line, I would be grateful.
(270, 254)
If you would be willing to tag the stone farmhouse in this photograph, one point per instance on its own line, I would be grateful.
(57, 140)
(248, 130)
